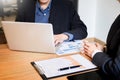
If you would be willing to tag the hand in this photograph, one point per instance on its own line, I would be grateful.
(59, 38)
(89, 48)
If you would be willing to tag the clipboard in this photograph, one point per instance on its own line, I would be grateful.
(39, 71)
(62, 66)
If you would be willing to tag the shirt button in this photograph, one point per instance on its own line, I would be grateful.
(44, 14)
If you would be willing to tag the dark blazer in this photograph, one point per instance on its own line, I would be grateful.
(63, 17)
(109, 62)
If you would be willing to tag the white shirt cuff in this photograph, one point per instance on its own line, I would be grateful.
(95, 51)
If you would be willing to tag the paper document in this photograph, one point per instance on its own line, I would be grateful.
(69, 47)
(63, 66)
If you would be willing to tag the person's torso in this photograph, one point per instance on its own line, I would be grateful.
(60, 14)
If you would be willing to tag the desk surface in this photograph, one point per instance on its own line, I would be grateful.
(16, 65)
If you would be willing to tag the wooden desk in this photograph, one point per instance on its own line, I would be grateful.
(16, 65)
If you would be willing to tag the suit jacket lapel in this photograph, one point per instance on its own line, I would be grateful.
(31, 11)
(52, 12)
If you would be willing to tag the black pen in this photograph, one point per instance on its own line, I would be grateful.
(70, 67)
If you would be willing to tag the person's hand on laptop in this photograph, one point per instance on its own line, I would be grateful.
(59, 38)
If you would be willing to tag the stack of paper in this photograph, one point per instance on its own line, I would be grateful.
(69, 47)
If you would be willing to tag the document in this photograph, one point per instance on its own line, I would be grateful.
(69, 47)
(61, 66)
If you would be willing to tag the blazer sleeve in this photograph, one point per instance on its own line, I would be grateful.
(108, 65)
(79, 29)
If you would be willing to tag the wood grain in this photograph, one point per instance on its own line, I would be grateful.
(16, 65)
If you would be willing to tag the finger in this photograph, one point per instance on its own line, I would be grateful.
(82, 51)
(57, 42)
(86, 46)
(85, 50)
(86, 53)
(85, 41)
(96, 44)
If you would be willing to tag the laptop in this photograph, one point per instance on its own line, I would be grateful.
(33, 37)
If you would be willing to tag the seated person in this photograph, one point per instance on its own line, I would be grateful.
(108, 60)
(60, 13)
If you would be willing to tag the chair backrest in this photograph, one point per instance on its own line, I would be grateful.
(2, 37)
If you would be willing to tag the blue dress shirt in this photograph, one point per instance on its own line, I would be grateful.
(42, 16)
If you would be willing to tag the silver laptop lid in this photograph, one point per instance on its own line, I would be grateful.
(34, 37)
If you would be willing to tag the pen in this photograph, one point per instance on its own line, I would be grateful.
(70, 67)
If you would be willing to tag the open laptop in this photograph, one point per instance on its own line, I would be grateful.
(33, 37)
